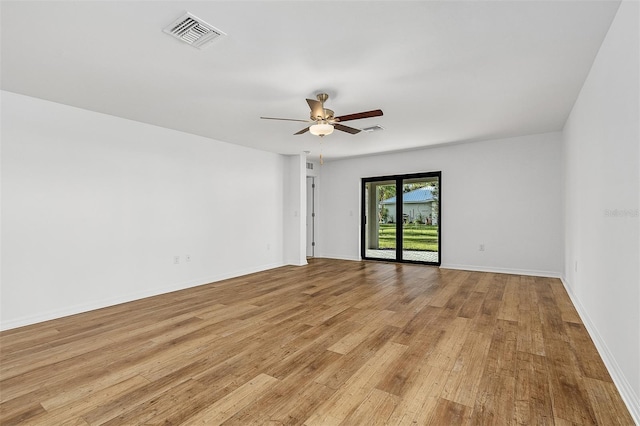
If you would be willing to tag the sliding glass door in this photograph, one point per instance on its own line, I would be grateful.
(401, 218)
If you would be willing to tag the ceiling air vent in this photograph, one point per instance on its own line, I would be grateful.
(193, 31)
(375, 128)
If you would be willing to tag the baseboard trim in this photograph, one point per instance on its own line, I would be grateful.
(474, 268)
(100, 304)
(338, 257)
(528, 272)
(631, 400)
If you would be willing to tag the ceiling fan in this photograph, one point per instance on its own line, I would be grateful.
(325, 121)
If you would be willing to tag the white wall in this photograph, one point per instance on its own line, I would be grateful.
(94, 209)
(295, 210)
(601, 150)
(505, 194)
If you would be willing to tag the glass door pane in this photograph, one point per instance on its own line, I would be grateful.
(420, 214)
(380, 237)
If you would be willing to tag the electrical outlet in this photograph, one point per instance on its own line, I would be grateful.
(187, 258)
(481, 248)
(176, 260)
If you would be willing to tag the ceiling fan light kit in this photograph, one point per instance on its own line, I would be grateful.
(321, 129)
(324, 120)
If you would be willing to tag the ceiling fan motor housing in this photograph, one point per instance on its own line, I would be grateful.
(328, 115)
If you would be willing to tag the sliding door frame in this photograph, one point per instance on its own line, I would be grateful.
(398, 179)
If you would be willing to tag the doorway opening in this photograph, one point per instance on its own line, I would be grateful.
(311, 216)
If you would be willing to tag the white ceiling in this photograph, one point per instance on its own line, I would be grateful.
(442, 71)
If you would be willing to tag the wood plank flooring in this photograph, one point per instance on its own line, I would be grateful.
(335, 342)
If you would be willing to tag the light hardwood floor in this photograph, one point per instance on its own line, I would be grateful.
(335, 342)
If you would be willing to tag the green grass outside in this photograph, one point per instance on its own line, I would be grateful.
(414, 237)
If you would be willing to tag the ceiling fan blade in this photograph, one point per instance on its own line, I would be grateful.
(359, 115)
(316, 108)
(302, 131)
(346, 128)
(284, 119)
